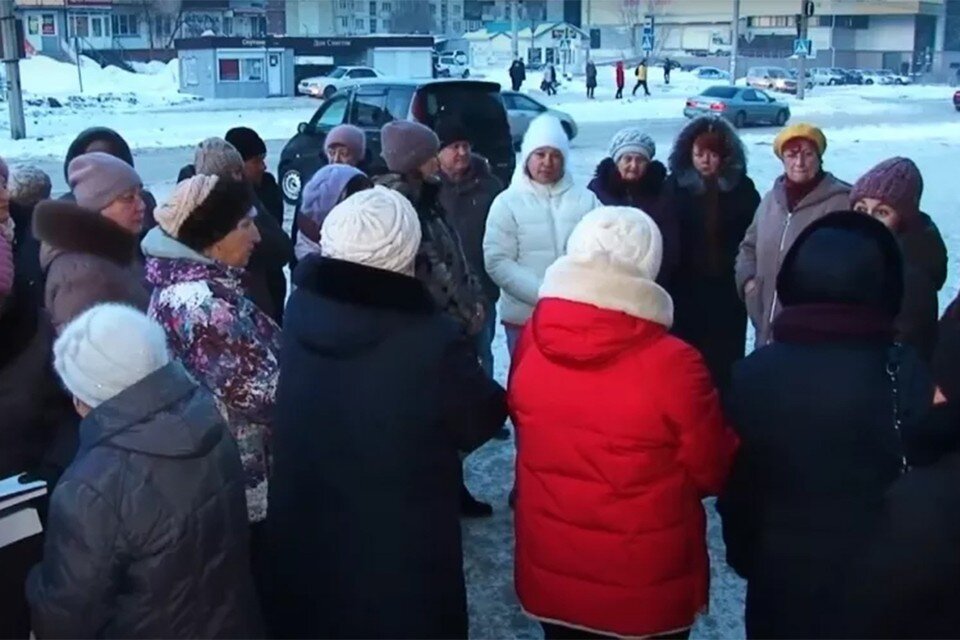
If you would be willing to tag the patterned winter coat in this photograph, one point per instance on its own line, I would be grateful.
(225, 341)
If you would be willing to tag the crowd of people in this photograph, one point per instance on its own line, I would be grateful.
(230, 459)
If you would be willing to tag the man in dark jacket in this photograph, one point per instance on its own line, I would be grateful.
(364, 514)
(147, 533)
(253, 150)
(518, 73)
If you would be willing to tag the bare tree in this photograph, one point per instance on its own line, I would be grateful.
(633, 12)
(412, 16)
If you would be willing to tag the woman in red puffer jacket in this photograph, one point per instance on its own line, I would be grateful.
(620, 435)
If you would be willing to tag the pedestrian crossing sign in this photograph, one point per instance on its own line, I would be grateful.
(802, 47)
(647, 42)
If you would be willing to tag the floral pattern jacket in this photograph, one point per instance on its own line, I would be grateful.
(228, 345)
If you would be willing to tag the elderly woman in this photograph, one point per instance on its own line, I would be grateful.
(890, 192)
(712, 200)
(803, 194)
(828, 416)
(328, 187)
(529, 223)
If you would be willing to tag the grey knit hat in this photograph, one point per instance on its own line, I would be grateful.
(407, 145)
(217, 157)
(97, 179)
(29, 184)
(632, 140)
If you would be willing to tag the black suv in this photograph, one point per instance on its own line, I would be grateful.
(373, 103)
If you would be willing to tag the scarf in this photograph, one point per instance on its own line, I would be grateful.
(830, 322)
(797, 191)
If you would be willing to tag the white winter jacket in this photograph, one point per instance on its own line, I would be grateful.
(527, 230)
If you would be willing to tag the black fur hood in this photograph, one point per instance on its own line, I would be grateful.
(608, 184)
(681, 158)
(64, 227)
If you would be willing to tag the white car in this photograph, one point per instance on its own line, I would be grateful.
(872, 76)
(326, 86)
(453, 65)
(825, 76)
(895, 78)
(710, 73)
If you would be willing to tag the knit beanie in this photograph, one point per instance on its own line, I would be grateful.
(246, 141)
(113, 142)
(324, 189)
(376, 227)
(612, 261)
(800, 130)
(350, 137)
(217, 157)
(544, 131)
(97, 179)
(107, 349)
(29, 184)
(632, 140)
(203, 209)
(407, 145)
(896, 182)
(450, 129)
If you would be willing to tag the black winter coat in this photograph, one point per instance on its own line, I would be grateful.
(925, 272)
(147, 535)
(377, 393)
(707, 312)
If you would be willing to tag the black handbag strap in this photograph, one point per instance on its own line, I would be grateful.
(894, 359)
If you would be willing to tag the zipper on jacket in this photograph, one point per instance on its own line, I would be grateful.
(783, 240)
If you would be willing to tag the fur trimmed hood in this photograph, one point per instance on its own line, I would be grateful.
(65, 227)
(734, 166)
(612, 189)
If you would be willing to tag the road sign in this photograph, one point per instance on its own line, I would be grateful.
(648, 25)
(647, 43)
(802, 47)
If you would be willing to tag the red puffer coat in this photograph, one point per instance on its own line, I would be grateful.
(620, 436)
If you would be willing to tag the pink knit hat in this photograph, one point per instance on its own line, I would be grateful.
(897, 183)
(407, 145)
(350, 137)
(97, 179)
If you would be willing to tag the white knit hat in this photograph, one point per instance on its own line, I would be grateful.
(184, 200)
(107, 349)
(544, 131)
(613, 257)
(632, 140)
(376, 227)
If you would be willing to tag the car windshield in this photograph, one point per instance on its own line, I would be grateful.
(337, 73)
(720, 92)
(777, 73)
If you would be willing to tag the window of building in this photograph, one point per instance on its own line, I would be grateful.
(227, 26)
(344, 5)
(373, 25)
(846, 22)
(78, 27)
(385, 7)
(456, 26)
(772, 22)
(252, 69)
(359, 24)
(126, 24)
(48, 26)
(456, 9)
(163, 25)
(229, 69)
(373, 8)
(96, 27)
(33, 25)
(345, 22)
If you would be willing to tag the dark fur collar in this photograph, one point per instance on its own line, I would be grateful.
(68, 227)
(681, 158)
(363, 286)
(649, 185)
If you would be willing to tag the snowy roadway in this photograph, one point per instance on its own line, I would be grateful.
(926, 130)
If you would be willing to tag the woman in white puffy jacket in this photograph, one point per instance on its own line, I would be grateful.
(529, 223)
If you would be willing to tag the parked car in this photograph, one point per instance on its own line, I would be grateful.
(873, 76)
(851, 76)
(895, 78)
(739, 105)
(452, 64)
(710, 73)
(521, 109)
(956, 100)
(773, 78)
(793, 76)
(370, 104)
(826, 76)
(326, 86)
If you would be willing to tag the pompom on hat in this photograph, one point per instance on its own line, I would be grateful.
(801, 130)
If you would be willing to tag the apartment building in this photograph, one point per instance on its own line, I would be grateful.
(358, 17)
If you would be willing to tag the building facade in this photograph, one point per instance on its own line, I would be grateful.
(359, 17)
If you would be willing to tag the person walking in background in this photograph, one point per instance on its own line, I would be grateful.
(803, 194)
(828, 416)
(253, 151)
(621, 79)
(549, 84)
(620, 432)
(591, 78)
(530, 221)
(88, 253)
(641, 74)
(667, 68)
(890, 192)
(145, 534)
(364, 512)
(713, 201)
(630, 177)
(195, 262)
(105, 140)
(328, 187)
(518, 73)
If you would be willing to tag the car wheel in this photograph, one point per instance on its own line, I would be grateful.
(868, 82)
(290, 184)
(740, 120)
(567, 130)
(782, 117)
(466, 73)
(329, 91)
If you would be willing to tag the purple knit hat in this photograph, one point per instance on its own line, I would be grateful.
(349, 136)
(897, 183)
(323, 191)
(97, 179)
(407, 145)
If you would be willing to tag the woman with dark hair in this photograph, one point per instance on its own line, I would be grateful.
(828, 416)
(712, 201)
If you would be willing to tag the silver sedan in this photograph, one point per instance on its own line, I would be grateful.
(739, 105)
(522, 109)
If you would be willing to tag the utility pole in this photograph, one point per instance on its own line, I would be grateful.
(514, 20)
(11, 63)
(805, 9)
(589, 30)
(735, 44)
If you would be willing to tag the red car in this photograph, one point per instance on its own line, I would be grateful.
(956, 100)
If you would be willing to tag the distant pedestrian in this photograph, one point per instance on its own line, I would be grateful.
(712, 200)
(328, 187)
(641, 74)
(145, 536)
(620, 437)
(667, 67)
(549, 83)
(591, 78)
(620, 75)
(518, 73)
(253, 150)
(890, 192)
